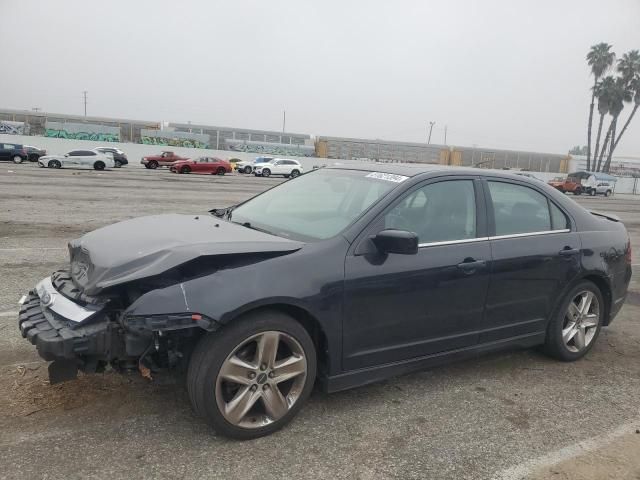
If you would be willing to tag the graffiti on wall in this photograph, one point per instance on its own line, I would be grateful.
(271, 148)
(13, 128)
(171, 138)
(173, 142)
(82, 131)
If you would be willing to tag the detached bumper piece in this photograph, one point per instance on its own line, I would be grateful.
(56, 341)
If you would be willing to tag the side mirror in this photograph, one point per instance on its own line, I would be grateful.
(396, 241)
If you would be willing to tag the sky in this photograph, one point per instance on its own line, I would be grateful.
(497, 73)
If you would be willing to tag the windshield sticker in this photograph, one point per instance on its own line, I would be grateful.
(389, 177)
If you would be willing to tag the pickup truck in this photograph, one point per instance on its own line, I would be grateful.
(165, 159)
(568, 184)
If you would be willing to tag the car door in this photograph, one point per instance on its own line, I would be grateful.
(276, 167)
(536, 254)
(87, 158)
(398, 307)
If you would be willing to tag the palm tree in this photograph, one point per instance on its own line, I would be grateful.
(620, 93)
(635, 88)
(629, 65)
(603, 92)
(600, 58)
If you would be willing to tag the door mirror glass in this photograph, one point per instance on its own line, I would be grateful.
(396, 241)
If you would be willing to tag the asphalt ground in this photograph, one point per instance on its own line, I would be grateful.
(507, 415)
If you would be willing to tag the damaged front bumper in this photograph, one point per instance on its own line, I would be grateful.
(70, 335)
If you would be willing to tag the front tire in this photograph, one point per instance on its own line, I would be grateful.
(54, 164)
(575, 327)
(118, 163)
(98, 166)
(17, 159)
(185, 169)
(251, 378)
(577, 191)
(607, 193)
(247, 169)
(152, 165)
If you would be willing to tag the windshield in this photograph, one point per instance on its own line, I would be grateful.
(315, 206)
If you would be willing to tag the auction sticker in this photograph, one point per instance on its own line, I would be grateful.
(389, 177)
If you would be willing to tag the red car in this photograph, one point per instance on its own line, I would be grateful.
(165, 159)
(208, 165)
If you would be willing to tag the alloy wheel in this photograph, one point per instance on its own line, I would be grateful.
(581, 321)
(261, 380)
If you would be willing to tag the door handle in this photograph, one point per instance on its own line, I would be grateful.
(568, 252)
(471, 265)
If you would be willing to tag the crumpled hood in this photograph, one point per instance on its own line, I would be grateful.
(148, 246)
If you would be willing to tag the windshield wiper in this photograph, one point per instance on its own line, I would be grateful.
(252, 227)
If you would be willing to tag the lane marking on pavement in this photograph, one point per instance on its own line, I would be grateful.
(521, 471)
(8, 314)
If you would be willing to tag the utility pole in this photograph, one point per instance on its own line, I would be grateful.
(284, 119)
(84, 93)
(445, 134)
(431, 124)
(36, 109)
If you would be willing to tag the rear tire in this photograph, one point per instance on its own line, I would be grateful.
(565, 342)
(247, 169)
(295, 173)
(17, 159)
(185, 169)
(577, 191)
(266, 172)
(98, 165)
(592, 192)
(118, 164)
(213, 395)
(54, 164)
(221, 171)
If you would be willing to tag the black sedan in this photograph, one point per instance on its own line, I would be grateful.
(342, 276)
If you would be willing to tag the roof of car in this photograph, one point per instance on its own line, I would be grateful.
(412, 170)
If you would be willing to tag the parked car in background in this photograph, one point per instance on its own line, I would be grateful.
(34, 153)
(206, 165)
(119, 157)
(249, 167)
(165, 159)
(601, 188)
(78, 159)
(343, 277)
(569, 184)
(13, 151)
(279, 166)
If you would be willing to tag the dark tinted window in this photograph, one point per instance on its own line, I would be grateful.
(519, 209)
(9, 146)
(437, 212)
(75, 153)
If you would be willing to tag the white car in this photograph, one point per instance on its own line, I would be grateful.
(249, 166)
(279, 166)
(78, 159)
(601, 188)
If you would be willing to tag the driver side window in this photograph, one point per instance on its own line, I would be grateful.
(438, 212)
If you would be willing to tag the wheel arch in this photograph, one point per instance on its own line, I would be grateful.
(600, 280)
(603, 285)
(310, 323)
